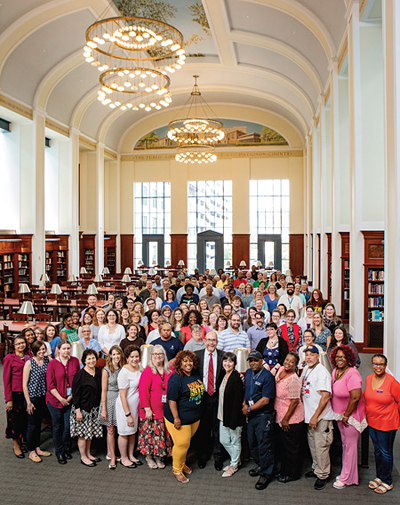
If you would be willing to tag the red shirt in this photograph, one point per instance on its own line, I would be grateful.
(382, 405)
(58, 376)
(237, 282)
(13, 369)
(151, 389)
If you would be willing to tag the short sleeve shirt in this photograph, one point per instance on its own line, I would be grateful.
(187, 392)
(257, 386)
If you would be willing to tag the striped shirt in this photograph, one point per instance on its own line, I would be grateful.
(229, 341)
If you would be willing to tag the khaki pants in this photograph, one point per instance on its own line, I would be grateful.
(319, 441)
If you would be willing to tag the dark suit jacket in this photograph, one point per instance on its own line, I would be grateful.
(200, 357)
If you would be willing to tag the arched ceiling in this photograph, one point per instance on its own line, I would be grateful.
(268, 56)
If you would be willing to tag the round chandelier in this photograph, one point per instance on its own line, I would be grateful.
(135, 57)
(196, 154)
(196, 133)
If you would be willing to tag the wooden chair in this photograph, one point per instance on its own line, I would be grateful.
(5, 347)
(43, 317)
(15, 316)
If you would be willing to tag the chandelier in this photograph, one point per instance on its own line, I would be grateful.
(197, 133)
(135, 57)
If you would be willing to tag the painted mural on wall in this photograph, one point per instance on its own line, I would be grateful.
(188, 16)
(237, 133)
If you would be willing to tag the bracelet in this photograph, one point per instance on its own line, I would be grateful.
(128, 414)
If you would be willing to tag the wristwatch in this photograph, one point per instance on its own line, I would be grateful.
(248, 409)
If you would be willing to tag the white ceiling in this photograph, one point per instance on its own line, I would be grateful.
(271, 54)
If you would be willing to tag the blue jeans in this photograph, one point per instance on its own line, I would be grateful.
(383, 448)
(231, 440)
(259, 434)
(61, 435)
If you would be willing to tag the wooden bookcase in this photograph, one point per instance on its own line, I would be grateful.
(87, 246)
(374, 278)
(110, 251)
(15, 262)
(57, 257)
(329, 253)
(345, 270)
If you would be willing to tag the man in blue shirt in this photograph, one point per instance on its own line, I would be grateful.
(257, 331)
(258, 406)
(171, 344)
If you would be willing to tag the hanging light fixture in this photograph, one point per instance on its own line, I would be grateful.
(135, 56)
(196, 134)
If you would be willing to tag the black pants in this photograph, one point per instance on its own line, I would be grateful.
(206, 441)
(16, 418)
(260, 435)
(34, 423)
(290, 443)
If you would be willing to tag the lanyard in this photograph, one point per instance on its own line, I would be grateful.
(253, 379)
(66, 372)
(162, 379)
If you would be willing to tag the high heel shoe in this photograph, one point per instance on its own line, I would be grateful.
(180, 477)
(112, 467)
(92, 465)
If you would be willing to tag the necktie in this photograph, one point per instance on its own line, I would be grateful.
(210, 379)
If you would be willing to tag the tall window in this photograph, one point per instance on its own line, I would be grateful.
(269, 214)
(152, 214)
(209, 208)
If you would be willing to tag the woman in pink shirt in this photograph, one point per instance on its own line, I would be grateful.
(290, 417)
(60, 373)
(154, 439)
(349, 409)
(13, 367)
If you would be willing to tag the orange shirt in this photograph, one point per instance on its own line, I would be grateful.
(382, 405)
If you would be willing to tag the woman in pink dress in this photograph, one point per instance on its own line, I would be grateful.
(290, 417)
(349, 408)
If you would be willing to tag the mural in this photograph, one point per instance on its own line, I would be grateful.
(188, 16)
(237, 133)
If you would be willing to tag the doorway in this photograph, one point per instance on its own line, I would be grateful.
(153, 250)
(210, 250)
(270, 251)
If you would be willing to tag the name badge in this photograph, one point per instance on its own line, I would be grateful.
(69, 391)
(251, 403)
(164, 398)
(257, 383)
(379, 391)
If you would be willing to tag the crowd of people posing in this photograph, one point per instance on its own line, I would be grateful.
(301, 377)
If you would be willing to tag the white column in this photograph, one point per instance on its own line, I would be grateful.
(391, 51)
(356, 239)
(308, 208)
(73, 263)
(118, 248)
(99, 208)
(38, 242)
(316, 188)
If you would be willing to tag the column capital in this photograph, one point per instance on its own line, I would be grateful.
(333, 65)
(38, 112)
(74, 131)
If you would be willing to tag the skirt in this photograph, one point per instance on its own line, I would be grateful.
(17, 417)
(88, 428)
(154, 439)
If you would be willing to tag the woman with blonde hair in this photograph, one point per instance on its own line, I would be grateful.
(154, 440)
(98, 321)
(322, 335)
(176, 321)
(115, 360)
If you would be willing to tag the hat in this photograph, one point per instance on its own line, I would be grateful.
(312, 348)
(255, 355)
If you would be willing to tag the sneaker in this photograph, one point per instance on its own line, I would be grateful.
(320, 484)
(310, 475)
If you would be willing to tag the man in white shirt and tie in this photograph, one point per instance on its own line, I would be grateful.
(207, 436)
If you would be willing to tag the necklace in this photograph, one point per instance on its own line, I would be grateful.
(340, 375)
(283, 375)
(272, 343)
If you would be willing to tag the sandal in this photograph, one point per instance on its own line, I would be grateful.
(383, 488)
(186, 469)
(230, 471)
(151, 463)
(180, 477)
(159, 463)
(373, 484)
(339, 484)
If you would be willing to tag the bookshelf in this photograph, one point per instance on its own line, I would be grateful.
(15, 262)
(88, 253)
(110, 247)
(374, 283)
(345, 274)
(57, 257)
(329, 253)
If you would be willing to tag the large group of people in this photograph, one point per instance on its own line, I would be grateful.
(160, 375)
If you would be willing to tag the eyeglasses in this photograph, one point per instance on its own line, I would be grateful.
(380, 365)
(158, 354)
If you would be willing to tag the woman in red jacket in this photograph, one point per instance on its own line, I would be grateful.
(382, 404)
(13, 368)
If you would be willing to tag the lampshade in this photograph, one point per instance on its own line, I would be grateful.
(91, 290)
(105, 271)
(44, 278)
(241, 359)
(26, 308)
(55, 289)
(146, 351)
(213, 272)
(289, 273)
(83, 271)
(77, 349)
(181, 263)
(152, 271)
(288, 279)
(126, 278)
(242, 263)
(259, 264)
(140, 263)
(167, 263)
(98, 278)
(154, 262)
(228, 264)
(72, 278)
(24, 288)
(128, 271)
